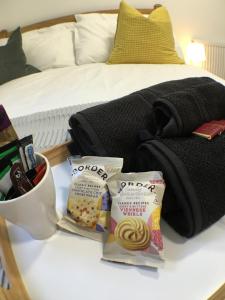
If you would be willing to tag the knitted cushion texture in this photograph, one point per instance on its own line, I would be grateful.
(201, 167)
(112, 129)
(144, 40)
(188, 109)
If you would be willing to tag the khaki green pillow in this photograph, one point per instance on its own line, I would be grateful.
(142, 40)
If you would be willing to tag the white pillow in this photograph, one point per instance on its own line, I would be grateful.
(50, 47)
(94, 37)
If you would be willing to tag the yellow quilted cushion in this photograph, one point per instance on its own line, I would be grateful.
(142, 40)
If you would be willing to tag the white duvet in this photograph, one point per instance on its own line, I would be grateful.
(85, 85)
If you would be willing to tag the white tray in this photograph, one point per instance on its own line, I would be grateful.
(68, 266)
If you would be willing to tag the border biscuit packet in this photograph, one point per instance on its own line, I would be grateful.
(134, 234)
(89, 205)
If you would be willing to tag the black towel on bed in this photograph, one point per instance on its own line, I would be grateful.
(111, 129)
(194, 171)
(181, 112)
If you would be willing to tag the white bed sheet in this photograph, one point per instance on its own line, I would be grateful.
(85, 85)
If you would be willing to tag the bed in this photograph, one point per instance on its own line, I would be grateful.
(61, 92)
(51, 96)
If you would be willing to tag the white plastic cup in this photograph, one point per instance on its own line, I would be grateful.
(35, 211)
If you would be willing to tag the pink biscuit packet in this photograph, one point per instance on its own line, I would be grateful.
(134, 234)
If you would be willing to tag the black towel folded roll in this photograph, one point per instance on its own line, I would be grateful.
(106, 130)
(111, 129)
(194, 171)
(181, 112)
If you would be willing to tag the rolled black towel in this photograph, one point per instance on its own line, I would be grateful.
(194, 171)
(111, 129)
(181, 112)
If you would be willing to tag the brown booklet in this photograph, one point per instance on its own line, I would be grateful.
(210, 129)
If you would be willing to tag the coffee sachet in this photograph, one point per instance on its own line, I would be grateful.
(89, 205)
(7, 131)
(16, 157)
(9, 153)
(134, 234)
(27, 154)
(6, 164)
(8, 149)
(20, 182)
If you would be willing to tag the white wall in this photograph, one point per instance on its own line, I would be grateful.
(203, 19)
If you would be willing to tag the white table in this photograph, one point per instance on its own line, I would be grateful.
(68, 266)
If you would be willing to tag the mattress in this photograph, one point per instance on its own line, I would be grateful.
(42, 103)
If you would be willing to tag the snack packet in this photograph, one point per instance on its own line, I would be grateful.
(9, 154)
(27, 153)
(8, 149)
(20, 182)
(134, 234)
(35, 175)
(88, 206)
(7, 131)
(2, 196)
(5, 167)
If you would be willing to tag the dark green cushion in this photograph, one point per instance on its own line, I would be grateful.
(29, 69)
(13, 59)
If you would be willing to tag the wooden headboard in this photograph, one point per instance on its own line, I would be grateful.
(70, 18)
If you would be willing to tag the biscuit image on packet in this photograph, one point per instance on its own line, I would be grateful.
(88, 206)
(134, 235)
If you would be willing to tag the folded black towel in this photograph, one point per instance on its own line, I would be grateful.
(194, 170)
(111, 129)
(181, 112)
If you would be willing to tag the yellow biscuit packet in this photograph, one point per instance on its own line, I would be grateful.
(89, 204)
(134, 232)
